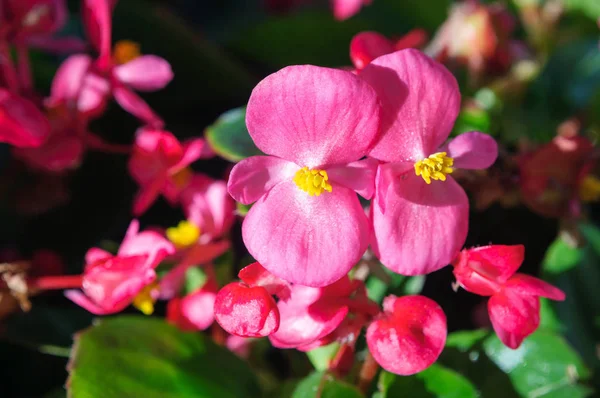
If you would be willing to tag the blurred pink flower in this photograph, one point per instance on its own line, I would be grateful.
(21, 123)
(514, 305)
(344, 9)
(159, 164)
(409, 335)
(195, 311)
(420, 102)
(111, 283)
(307, 225)
(207, 205)
(87, 84)
(366, 46)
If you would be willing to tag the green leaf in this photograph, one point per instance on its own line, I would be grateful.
(543, 366)
(472, 119)
(414, 284)
(195, 278)
(228, 136)
(321, 357)
(323, 385)
(591, 8)
(560, 257)
(436, 381)
(548, 318)
(146, 357)
(464, 340)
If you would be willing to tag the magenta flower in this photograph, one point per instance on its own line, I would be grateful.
(194, 311)
(21, 123)
(111, 283)
(344, 9)
(159, 164)
(307, 225)
(87, 84)
(409, 335)
(367, 46)
(420, 213)
(514, 305)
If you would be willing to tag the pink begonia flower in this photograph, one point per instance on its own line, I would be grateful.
(87, 84)
(194, 311)
(111, 283)
(240, 346)
(420, 224)
(207, 205)
(21, 122)
(344, 9)
(366, 46)
(409, 335)
(514, 305)
(307, 225)
(159, 164)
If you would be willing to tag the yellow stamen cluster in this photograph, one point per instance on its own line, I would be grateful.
(435, 167)
(144, 300)
(125, 51)
(185, 234)
(314, 181)
(589, 189)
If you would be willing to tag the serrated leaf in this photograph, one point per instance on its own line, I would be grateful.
(146, 357)
(543, 366)
(229, 137)
(323, 385)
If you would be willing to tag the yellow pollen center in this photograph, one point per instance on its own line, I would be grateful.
(589, 189)
(185, 234)
(435, 167)
(314, 181)
(144, 300)
(125, 51)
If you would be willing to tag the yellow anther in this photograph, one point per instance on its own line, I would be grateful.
(435, 167)
(144, 300)
(125, 51)
(314, 181)
(185, 234)
(589, 189)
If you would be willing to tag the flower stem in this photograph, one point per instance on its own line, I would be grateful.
(55, 282)
(367, 373)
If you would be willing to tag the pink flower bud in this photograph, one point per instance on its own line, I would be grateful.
(246, 311)
(409, 336)
(194, 311)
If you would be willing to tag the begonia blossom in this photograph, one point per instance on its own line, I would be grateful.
(366, 46)
(409, 335)
(514, 304)
(87, 84)
(194, 311)
(21, 122)
(315, 125)
(420, 213)
(344, 9)
(159, 164)
(111, 283)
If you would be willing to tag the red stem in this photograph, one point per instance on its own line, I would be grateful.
(368, 371)
(55, 282)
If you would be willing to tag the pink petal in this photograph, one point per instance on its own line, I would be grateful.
(246, 311)
(358, 176)
(423, 226)
(312, 241)
(420, 101)
(68, 80)
(313, 116)
(93, 95)
(409, 336)
(145, 73)
(197, 255)
(133, 104)
(366, 46)
(81, 300)
(192, 151)
(198, 308)
(147, 195)
(21, 122)
(148, 243)
(207, 204)
(97, 16)
(528, 285)
(95, 254)
(307, 316)
(496, 263)
(60, 152)
(472, 150)
(256, 275)
(253, 177)
(514, 316)
(344, 9)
